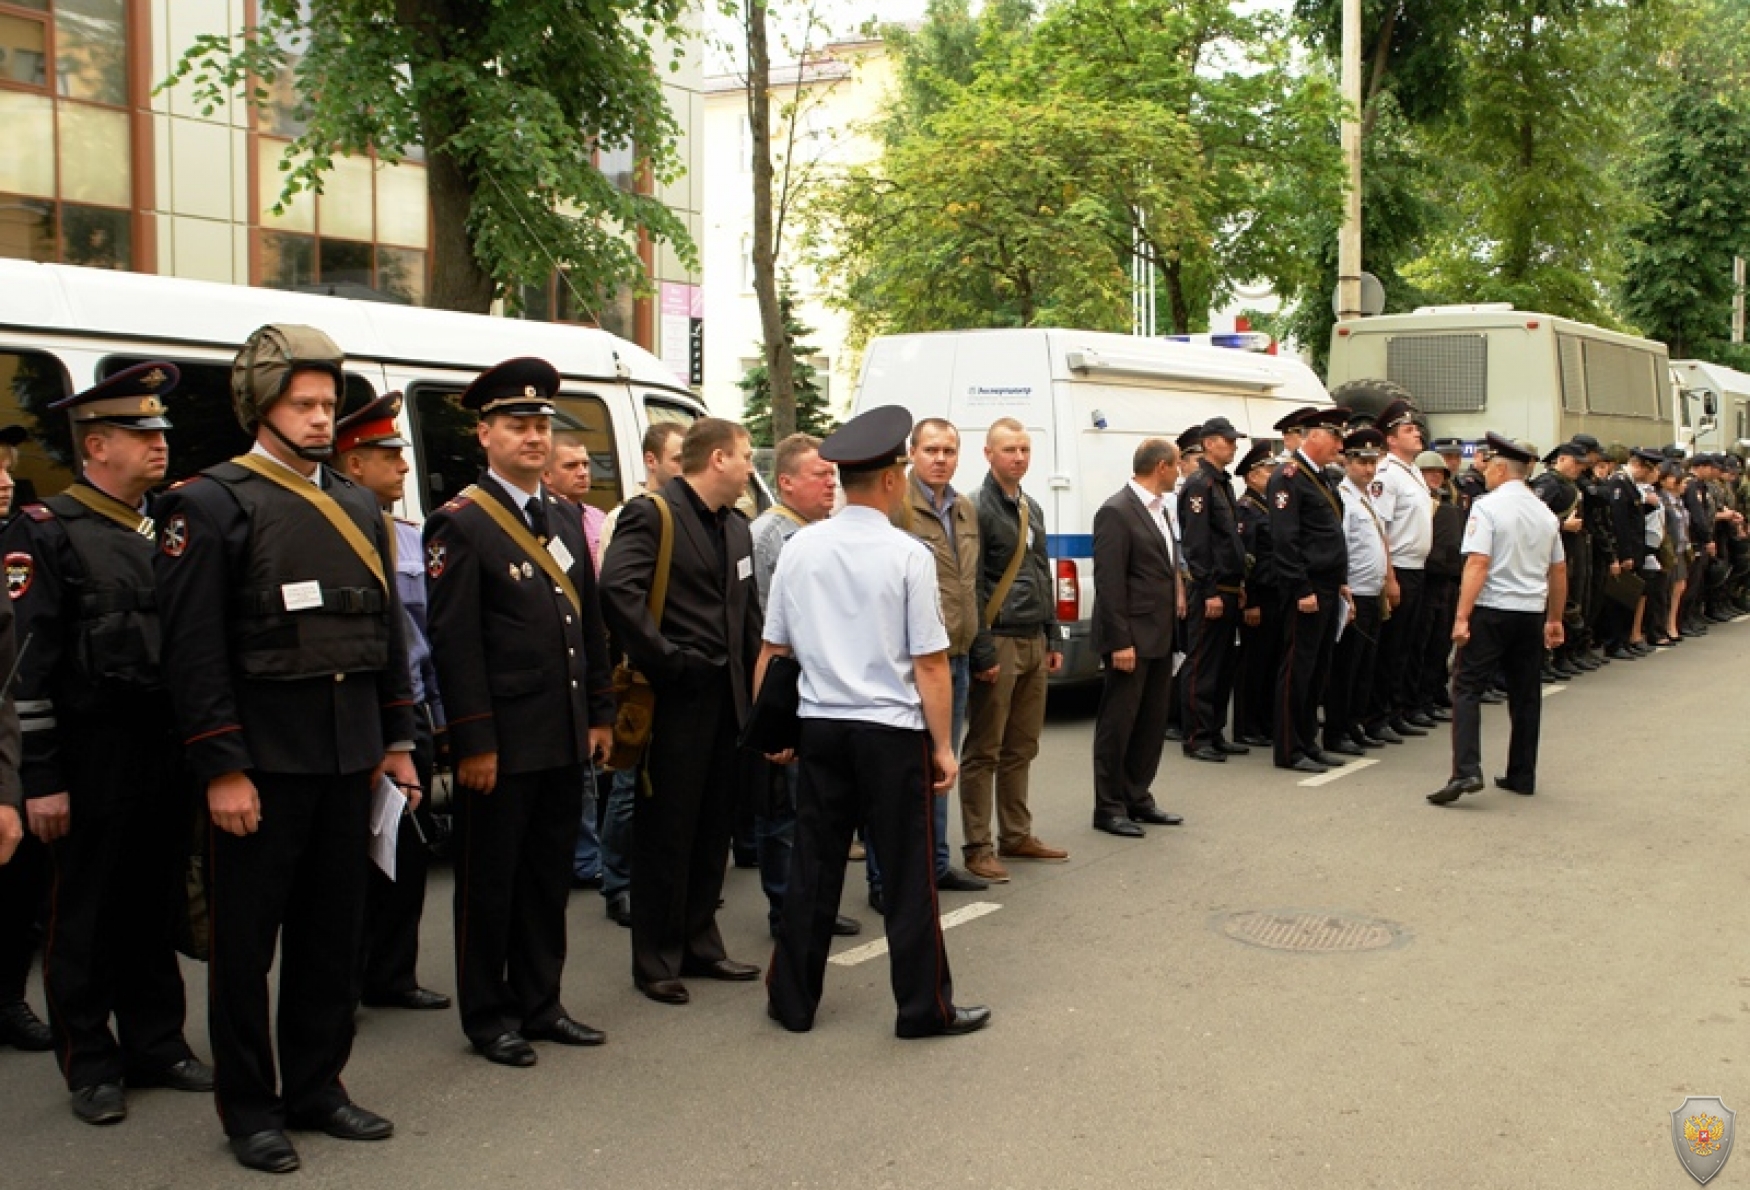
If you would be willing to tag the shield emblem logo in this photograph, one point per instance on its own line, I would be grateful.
(1701, 1130)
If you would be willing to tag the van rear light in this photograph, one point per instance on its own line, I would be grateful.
(1069, 592)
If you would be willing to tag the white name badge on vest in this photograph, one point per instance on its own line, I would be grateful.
(560, 554)
(301, 597)
(744, 569)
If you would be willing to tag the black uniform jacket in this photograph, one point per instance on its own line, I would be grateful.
(11, 793)
(522, 672)
(1210, 533)
(1306, 530)
(325, 725)
(1254, 520)
(48, 583)
(1628, 518)
(711, 618)
(1135, 598)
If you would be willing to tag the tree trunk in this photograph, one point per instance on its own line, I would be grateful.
(458, 282)
(780, 361)
(1173, 273)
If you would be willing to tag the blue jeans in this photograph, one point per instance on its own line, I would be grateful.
(616, 834)
(960, 672)
(775, 838)
(586, 859)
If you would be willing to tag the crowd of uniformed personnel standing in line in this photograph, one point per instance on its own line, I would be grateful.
(264, 650)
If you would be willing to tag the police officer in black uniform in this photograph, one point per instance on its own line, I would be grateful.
(1261, 621)
(1215, 596)
(286, 662)
(369, 446)
(1312, 560)
(102, 768)
(1558, 487)
(516, 630)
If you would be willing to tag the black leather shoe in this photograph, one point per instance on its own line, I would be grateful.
(1347, 748)
(1494, 697)
(619, 910)
(1156, 817)
(1207, 753)
(349, 1121)
(1455, 789)
(566, 1031)
(1405, 728)
(1175, 735)
(21, 1029)
(846, 927)
(1418, 719)
(1503, 783)
(418, 999)
(100, 1103)
(1256, 741)
(1439, 714)
(508, 1049)
(725, 969)
(1368, 740)
(190, 1074)
(1306, 764)
(1232, 749)
(965, 1020)
(666, 991)
(1620, 653)
(269, 1152)
(1385, 734)
(959, 880)
(1119, 826)
(1326, 759)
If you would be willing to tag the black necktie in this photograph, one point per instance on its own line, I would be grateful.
(537, 511)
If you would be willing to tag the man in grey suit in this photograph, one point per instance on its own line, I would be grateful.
(1138, 598)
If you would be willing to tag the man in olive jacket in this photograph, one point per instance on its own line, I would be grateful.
(1011, 659)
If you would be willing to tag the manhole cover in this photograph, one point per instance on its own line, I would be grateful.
(1310, 931)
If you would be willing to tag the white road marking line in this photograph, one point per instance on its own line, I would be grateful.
(1335, 774)
(1549, 690)
(877, 948)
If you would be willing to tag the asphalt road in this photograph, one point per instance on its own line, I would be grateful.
(1561, 971)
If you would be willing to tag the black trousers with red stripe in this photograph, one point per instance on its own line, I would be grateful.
(300, 880)
(1306, 665)
(116, 887)
(863, 773)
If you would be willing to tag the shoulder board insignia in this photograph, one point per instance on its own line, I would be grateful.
(39, 512)
(456, 504)
(1289, 468)
(183, 483)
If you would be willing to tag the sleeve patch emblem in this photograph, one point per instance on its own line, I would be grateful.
(437, 556)
(173, 538)
(1282, 499)
(1197, 504)
(1376, 489)
(20, 569)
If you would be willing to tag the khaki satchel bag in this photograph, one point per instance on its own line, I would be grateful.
(634, 700)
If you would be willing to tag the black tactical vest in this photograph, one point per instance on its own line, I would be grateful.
(290, 542)
(113, 642)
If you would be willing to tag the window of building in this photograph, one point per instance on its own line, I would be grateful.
(368, 229)
(66, 174)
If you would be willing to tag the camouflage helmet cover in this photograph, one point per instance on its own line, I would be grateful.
(268, 358)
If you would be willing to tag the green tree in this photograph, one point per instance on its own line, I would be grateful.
(1692, 177)
(947, 52)
(509, 103)
(1004, 212)
(1264, 128)
(812, 415)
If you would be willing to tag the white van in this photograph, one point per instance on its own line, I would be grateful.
(1088, 399)
(62, 329)
(1472, 369)
(1714, 403)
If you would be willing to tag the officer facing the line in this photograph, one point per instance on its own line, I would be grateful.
(102, 769)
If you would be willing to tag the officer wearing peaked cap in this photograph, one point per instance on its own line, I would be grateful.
(1509, 611)
(1312, 561)
(854, 600)
(1215, 557)
(521, 653)
(285, 656)
(369, 445)
(1261, 630)
(101, 766)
